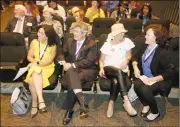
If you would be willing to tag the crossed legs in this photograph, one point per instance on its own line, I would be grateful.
(35, 86)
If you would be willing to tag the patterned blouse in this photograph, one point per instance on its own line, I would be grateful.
(56, 25)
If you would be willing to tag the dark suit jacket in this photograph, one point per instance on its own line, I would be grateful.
(86, 58)
(26, 29)
(160, 65)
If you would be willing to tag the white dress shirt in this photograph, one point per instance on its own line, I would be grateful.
(19, 25)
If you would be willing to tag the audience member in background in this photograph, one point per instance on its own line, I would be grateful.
(71, 12)
(95, 11)
(48, 16)
(42, 3)
(79, 15)
(41, 57)
(108, 5)
(145, 14)
(115, 56)
(21, 23)
(32, 10)
(58, 10)
(152, 70)
(80, 67)
(121, 13)
(134, 4)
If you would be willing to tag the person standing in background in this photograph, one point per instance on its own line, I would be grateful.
(58, 10)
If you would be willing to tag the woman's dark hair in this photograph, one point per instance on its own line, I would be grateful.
(160, 32)
(50, 33)
(149, 15)
(99, 3)
(119, 13)
(49, 1)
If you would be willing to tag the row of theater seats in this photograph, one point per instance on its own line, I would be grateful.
(13, 53)
(103, 25)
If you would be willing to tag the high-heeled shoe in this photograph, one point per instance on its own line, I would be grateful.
(129, 109)
(110, 109)
(150, 120)
(146, 112)
(35, 114)
(42, 110)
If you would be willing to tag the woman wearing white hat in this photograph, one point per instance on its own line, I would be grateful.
(115, 56)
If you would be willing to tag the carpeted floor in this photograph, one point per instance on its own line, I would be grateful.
(97, 115)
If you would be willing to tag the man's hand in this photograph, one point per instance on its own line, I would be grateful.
(66, 66)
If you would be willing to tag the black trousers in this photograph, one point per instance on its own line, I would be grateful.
(146, 94)
(122, 83)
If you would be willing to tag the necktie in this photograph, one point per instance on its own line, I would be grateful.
(78, 48)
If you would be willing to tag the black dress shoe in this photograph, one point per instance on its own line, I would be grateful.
(68, 116)
(148, 120)
(143, 115)
(84, 112)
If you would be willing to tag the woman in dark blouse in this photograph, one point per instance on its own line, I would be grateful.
(153, 72)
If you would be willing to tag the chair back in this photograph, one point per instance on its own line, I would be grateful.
(134, 27)
(134, 12)
(12, 46)
(102, 26)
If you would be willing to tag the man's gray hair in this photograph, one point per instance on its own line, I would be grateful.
(21, 7)
(83, 26)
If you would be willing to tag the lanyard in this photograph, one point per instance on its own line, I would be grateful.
(41, 54)
(146, 56)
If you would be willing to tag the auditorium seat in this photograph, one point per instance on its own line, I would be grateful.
(134, 27)
(174, 54)
(12, 52)
(102, 26)
(134, 12)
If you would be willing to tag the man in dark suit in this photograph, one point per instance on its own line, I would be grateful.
(80, 54)
(21, 23)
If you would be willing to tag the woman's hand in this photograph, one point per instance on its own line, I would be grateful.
(124, 64)
(148, 81)
(32, 64)
(101, 72)
(136, 72)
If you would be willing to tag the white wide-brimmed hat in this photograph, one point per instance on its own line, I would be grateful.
(117, 29)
